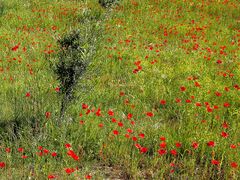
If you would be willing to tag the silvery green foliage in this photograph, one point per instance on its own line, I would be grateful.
(77, 50)
(108, 3)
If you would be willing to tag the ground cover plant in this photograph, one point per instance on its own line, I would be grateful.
(126, 89)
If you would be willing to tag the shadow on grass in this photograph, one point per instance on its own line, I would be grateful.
(14, 129)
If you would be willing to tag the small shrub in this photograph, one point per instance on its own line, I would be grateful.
(71, 65)
(2, 8)
(76, 51)
(107, 3)
(91, 16)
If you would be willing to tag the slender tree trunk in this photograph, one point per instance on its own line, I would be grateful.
(63, 108)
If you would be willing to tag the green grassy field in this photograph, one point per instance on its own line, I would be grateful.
(159, 98)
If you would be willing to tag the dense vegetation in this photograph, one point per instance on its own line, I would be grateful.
(125, 89)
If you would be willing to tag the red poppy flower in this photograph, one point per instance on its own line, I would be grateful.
(51, 176)
(110, 113)
(28, 94)
(162, 138)
(196, 46)
(198, 104)
(209, 109)
(70, 152)
(126, 101)
(47, 115)
(139, 68)
(188, 101)
(135, 71)
(134, 3)
(115, 132)
(69, 170)
(2, 164)
(195, 145)
(46, 151)
(182, 88)
(122, 93)
(197, 84)
(120, 124)
(178, 100)
(15, 48)
(162, 151)
(39, 153)
(81, 122)
(226, 104)
(134, 138)
(24, 49)
(225, 125)
(149, 114)
(215, 162)
(88, 177)
(54, 154)
(88, 111)
(233, 146)
(24, 156)
(98, 113)
(75, 157)
(163, 144)
(173, 152)
(8, 150)
(68, 145)
(141, 135)
(211, 143)
(224, 134)
(57, 89)
(206, 103)
(114, 120)
(162, 102)
(237, 87)
(54, 28)
(138, 146)
(218, 94)
(234, 164)
(84, 106)
(226, 89)
(129, 130)
(127, 135)
(143, 149)
(178, 144)
(20, 150)
(129, 116)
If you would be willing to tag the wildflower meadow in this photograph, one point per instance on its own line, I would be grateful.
(119, 89)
